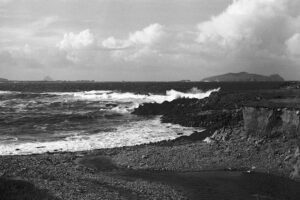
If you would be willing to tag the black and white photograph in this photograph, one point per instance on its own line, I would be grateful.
(149, 99)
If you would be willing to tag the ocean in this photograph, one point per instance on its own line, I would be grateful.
(39, 117)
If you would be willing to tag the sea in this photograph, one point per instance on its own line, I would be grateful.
(39, 117)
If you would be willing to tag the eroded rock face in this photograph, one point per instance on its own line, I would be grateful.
(290, 121)
(271, 122)
(256, 120)
(295, 174)
(266, 122)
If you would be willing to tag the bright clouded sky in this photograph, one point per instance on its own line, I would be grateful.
(148, 39)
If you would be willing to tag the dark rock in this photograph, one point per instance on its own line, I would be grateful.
(111, 105)
(216, 110)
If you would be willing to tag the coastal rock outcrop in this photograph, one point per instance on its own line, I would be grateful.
(269, 122)
(216, 110)
(263, 122)
(266, 124)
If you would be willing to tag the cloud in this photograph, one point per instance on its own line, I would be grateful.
(72, 44)
(20, 56)
(44, 22)
(263, 23)
(249, 30)
(259, 36)
(138, 44)
(76, 41)
(113, 43)
(293, 45)
(147, 36)
(5, 1)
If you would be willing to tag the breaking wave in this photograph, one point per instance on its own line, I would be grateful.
(134, 99)
(38, 122)
(134, 133)
(128, 96)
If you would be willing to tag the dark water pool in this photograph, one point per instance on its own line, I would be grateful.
(208, 185)
(224, 185)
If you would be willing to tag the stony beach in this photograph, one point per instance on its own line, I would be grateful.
(142, 172)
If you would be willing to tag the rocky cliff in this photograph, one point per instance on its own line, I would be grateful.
(268, 123)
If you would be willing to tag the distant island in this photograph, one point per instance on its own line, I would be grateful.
(242, 76)
(3, 80)
(48, 78)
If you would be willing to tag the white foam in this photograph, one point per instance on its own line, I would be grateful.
(133, 133)
(108, 95)
(7, 92)
(130, 134)
(132, 100)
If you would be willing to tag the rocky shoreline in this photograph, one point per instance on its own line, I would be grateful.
(142, 172)
(110, 173)
(250, 119)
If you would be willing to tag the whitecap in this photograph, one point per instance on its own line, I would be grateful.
(132, 100)
(134, 133)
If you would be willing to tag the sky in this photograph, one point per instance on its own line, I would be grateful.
(148, 40)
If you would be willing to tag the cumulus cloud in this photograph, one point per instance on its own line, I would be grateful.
(113, 43)
(72, 44)
(258, 22)
(76, 41)
(148, 35)
(256, 29)
(139, 43)
(293, 45)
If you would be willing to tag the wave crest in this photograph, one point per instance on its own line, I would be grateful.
(108, 95)
(126, 101)
(129, 101)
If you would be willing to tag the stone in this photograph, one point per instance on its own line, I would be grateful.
(208, 140)
(295, 174)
